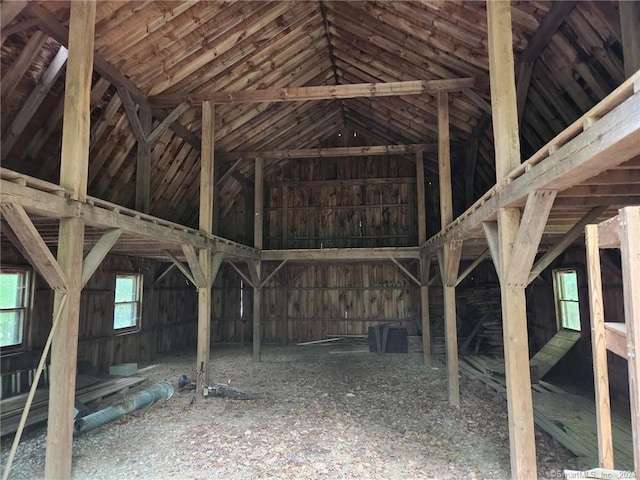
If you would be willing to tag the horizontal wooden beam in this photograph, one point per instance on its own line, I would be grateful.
(373, 150)
(342, 254)
(322, 92)
(98, 213)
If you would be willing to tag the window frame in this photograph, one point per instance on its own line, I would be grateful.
(26, 309)
(558, 302)
(139, 290)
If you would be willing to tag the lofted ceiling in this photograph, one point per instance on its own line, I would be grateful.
(188, 48)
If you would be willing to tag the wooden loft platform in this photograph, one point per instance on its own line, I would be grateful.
(142, 235)
(593, 165)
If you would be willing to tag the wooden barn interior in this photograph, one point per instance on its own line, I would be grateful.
(177, 174)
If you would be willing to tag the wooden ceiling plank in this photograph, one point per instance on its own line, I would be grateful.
(101, 148)
(235, 118)
(61, 34)
(380, 72)
(462, 59)
(101, 124)
(251, 51)
(109, 175)
(548, 27)
(223, 42)
(265, 124)
(415, 109)
(34, 101)
(356, 35)
(14, 74)
(273, 71)
(53, 120)
(129, 38)
(187, 38)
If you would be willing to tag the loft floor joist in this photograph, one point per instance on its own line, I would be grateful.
(594, 162)
(142, 235)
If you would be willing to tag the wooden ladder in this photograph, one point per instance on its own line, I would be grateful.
(622, 338)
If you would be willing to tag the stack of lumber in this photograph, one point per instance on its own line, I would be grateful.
(569, 418)
(483, 305)
(88, 390)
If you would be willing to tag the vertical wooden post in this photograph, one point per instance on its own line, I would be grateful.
(446, 216)
(444, 159)
(629, 20)
(630, 252)
(143, 164)
(514, 315)
(424, 309)
(424, 262)
(73, 175)
(207, 185)
(257, 243)
(599, 349)
(422, 212)
(285, 217)
(284, 282)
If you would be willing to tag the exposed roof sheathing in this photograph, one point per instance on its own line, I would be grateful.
(185, 48)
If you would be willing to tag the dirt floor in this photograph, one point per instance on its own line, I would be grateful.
(322, 412)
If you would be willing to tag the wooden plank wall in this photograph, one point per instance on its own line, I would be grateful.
(168, 317)
(339, 299)
(344, 202)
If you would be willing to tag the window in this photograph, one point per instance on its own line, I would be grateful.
(126, 312)
(14, 301)
(565, 287)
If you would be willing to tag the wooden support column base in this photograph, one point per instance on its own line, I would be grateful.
(451, 343)
(257, 304)
(426, 328)
(204, 321)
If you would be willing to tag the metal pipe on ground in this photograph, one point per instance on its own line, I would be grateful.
(146, 398)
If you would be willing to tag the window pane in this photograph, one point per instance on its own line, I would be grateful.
(10, 290)
(569, 282)
(571, 315)
(124, 315)
(10, 328)
(126, 290)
